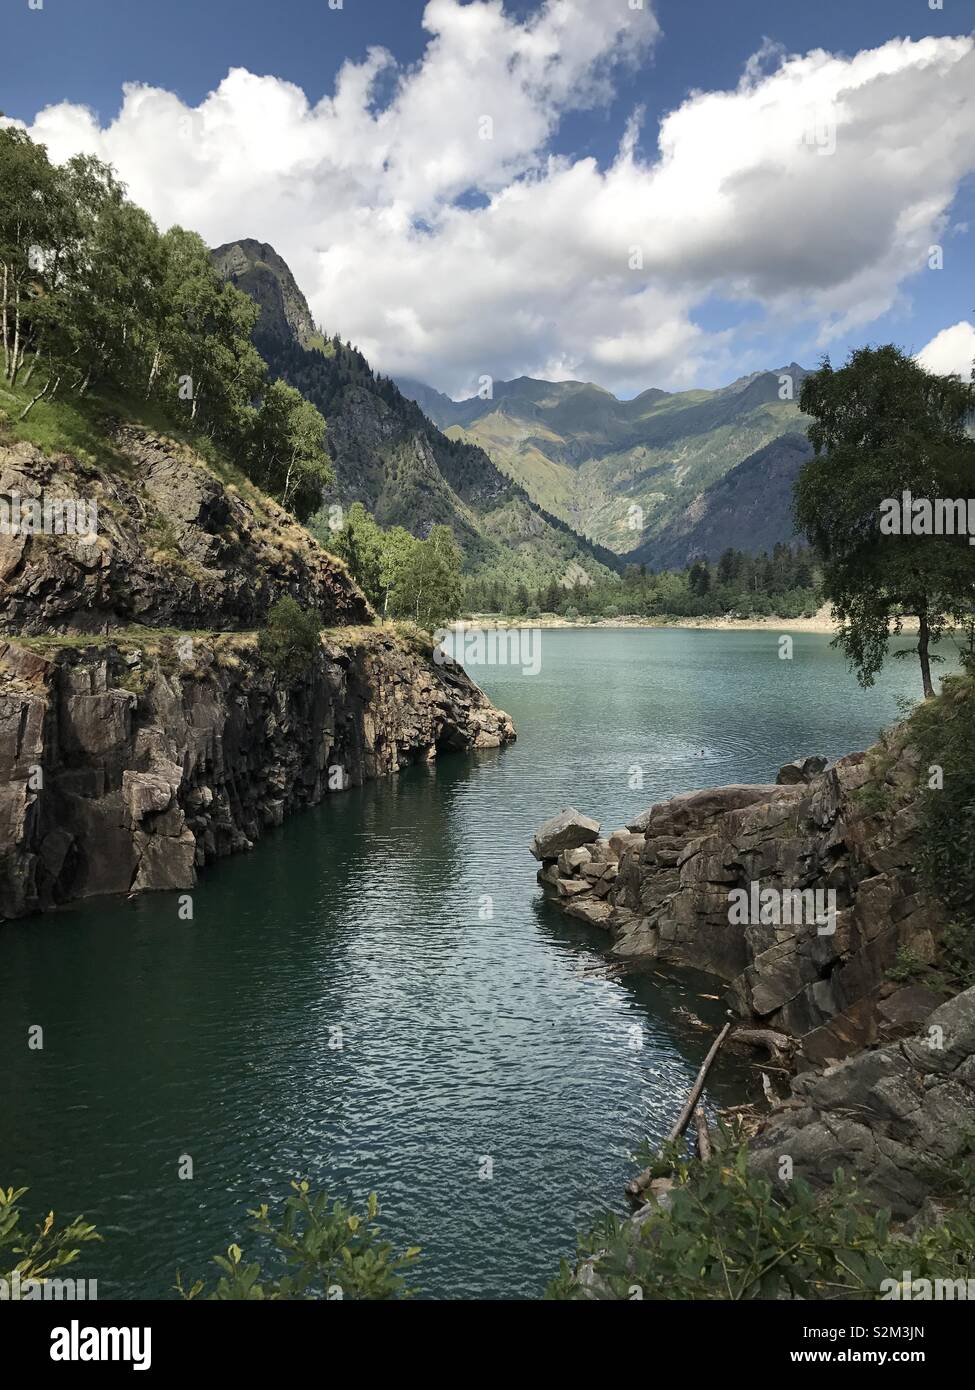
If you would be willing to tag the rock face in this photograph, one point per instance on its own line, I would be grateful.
(151, 736)
(837, 849)
(126, 767)
(894, 1116)
(174, 547)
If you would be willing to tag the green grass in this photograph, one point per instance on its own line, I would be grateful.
(60, 426)
(83, 426)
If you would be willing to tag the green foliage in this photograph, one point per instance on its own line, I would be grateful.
(289, 458)
(907, 966)
(730, 1235)
(781, 585)
(402, 577)
(95, 299)
(43, 1254)
(317, 1250)
(882, 426)
(291, 639)
(362, 545)
(430, 587)
(943, 731)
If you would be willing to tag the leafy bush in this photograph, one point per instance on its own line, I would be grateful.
(291, 638)
(730, 1235)
(317, 1251)
(42, 1255)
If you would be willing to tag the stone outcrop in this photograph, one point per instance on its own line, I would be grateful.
(897, 1118)
(801, 770)
(174, 546)
(129, 765)
(846, 833)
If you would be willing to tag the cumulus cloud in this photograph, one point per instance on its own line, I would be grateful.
(437, 229)
(951, 352)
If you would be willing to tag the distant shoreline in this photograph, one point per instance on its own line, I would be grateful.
(820, 623)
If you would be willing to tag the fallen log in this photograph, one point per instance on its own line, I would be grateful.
(703, 1138)
(643, 1180)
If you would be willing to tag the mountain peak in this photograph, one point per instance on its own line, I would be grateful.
(257, 269)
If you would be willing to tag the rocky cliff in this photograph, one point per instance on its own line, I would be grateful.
(130, 764)
(844, 835)
(144, 731)
(174, 544)
(898, 1117)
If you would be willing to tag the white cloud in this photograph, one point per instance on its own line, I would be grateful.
(952, 351)
(371, 203)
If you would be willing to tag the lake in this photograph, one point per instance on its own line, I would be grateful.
(378, 998)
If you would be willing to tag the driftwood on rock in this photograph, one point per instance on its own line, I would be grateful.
(776, 1044)
(642, 1181)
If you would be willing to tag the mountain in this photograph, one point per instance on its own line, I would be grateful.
(589, 458)
(388, 455)
(258, 270)
(748, 509)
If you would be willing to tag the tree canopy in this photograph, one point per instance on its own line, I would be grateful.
(94, 298)
(885, 430)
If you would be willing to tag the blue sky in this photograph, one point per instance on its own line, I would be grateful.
(82, 52)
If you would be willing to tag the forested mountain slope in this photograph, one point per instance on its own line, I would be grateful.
(388, 455)
(592, 459)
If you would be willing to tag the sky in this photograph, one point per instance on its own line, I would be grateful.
(668, 193)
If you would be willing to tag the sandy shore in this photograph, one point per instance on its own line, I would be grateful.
(821, 622)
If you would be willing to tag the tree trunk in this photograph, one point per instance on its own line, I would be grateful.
(153, 371)
(43, 392)
(642, 1180)
(287, 482)
(14, 365)
(923, 645)
(6, 335)
(34, 360)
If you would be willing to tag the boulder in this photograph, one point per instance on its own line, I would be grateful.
(801, 770)
(622, 840)
(572, 860)
(673, 817)
(568, 830)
